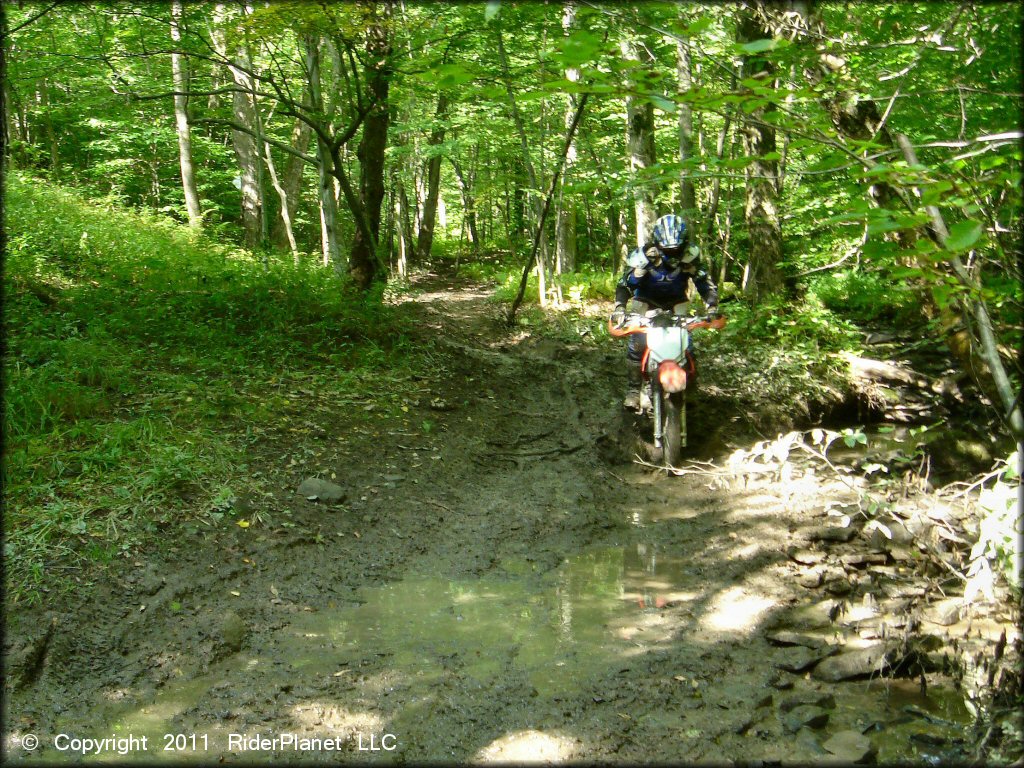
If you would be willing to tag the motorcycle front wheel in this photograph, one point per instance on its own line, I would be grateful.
(673, 428)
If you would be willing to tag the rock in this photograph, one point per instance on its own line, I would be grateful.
(851, 747)
(805, 716)
(322, 490)
(806, 739)
(233, 631)
(805, 556)
(780, 682)
(811, 579)
(800, 659)
(838, 585)
(851, 664)
(864, 559)
(808, 699)
(945, 613)
(834, 533)
(786, 637)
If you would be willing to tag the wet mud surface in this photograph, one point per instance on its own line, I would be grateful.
(506, 585)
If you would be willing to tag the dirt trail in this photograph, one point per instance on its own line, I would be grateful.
(501, 582)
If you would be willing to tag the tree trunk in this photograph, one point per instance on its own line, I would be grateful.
(328, 202)
(687, 196)
(762, 277)
(468, 203)
(246, 151)
(188, 177)
(363, 258)
(43, 94)
(282, 231)
(640, 144)
(433, 174)
(565, 210)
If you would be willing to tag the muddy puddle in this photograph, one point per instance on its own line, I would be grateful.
(371, 673)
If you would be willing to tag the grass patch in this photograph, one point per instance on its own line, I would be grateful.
(139, 356)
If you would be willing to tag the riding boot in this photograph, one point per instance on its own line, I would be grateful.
(635, 384)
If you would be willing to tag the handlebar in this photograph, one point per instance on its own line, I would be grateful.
(636, 323)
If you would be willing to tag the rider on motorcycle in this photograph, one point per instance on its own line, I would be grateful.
(669, 264)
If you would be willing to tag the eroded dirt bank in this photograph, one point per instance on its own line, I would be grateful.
(501, 581)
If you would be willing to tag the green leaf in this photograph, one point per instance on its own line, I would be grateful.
(963, 235)
(758, 46)
(492, 9)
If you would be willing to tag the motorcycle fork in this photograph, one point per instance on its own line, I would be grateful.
(656, 405)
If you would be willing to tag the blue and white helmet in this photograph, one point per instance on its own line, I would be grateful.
(670, 234)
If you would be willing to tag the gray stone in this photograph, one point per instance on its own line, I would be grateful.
(838, 585)
(834, 533)
(805, 716)
(808, 698)
(322, 490)
(851, 747)
(811, 579)
(852, 664)
(799, 659)
(944, 612)
(786, 637)
(805, 556)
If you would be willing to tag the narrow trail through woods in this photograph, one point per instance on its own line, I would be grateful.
(507, 584)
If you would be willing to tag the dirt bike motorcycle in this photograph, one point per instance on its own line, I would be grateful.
(667, 367)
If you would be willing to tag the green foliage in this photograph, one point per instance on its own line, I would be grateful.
(128, 338)
(998, 548)
(864, 296)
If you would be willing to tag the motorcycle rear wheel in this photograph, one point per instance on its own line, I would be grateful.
(673, 428)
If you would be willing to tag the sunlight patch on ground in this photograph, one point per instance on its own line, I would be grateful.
(528, 747)
(735, 610)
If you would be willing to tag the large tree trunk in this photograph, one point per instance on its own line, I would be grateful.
(640, 145)
(363, 263)
(188, 177)
(247, 153)
(762, 277)
(433, 174)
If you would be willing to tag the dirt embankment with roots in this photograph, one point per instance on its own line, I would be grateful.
(500, 580)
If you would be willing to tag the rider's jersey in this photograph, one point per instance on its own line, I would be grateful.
(665, 285)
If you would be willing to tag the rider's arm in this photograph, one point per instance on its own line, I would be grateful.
(625, 287)
(706, 288)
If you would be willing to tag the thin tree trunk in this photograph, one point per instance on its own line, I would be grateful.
(51, 134)
(328, 203)
(687, 196)
(426, 239)
(282, 232)
(468, 203)
(188, 177)
(640, 144)
(565, 212)
(555, 176)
